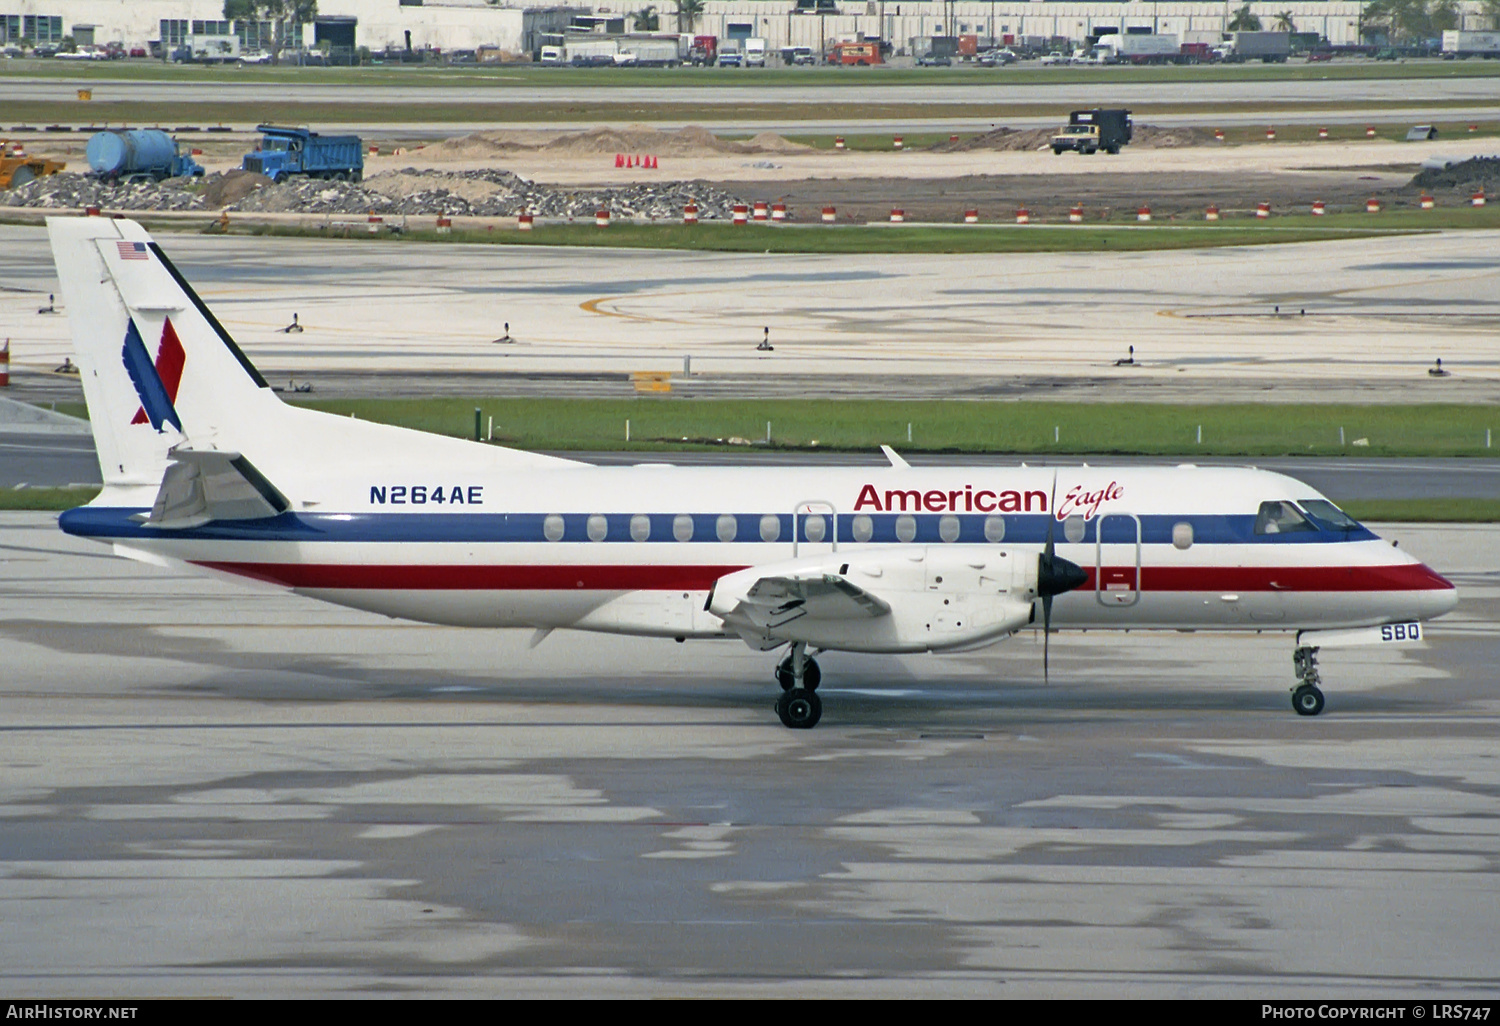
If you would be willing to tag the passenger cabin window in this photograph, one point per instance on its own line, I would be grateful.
(949, 528)
(906, 527)
(1182, 535)
(682, 527)
(1074, 528)
(1327, 513)
(863, 528)
(726, 527)
(994, 529)
(552, 527)
(770, 527)
(814, 528)
(598, 527)
(640, 527)
(1281, 518)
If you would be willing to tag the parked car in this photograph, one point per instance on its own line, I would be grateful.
(255, 57)
(731, 59)
(932, 61)
(991, 58)
(1055, 57)
(139, 51)
(1387, 53)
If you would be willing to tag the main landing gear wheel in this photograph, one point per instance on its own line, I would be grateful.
(1307, 700)
(811, 675)
(799, 708)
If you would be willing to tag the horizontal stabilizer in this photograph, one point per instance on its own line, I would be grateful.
(200, 486)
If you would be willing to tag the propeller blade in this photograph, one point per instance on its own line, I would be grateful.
(1046, 639)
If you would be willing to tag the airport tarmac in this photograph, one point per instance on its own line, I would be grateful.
(1355, 321)
(211, 789)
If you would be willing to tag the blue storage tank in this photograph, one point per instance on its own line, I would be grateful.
(136, 151)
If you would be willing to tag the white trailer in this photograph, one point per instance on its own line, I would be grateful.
(1139, 49)
(1462, 44)
(214, 49)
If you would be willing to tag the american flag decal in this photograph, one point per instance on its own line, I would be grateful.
(133, 251)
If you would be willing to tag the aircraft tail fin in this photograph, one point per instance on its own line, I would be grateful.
(154, 361)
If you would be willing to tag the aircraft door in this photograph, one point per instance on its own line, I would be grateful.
(814, 529)
(1117, 559)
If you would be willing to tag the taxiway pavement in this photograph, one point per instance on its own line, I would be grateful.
(208, 789)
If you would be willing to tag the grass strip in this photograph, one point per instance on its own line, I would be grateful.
(909, 238)
(938, 426)
(528, 76)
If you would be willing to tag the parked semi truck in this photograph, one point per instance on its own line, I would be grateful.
(1138, 49)
(1089, 131)
(138, 154)
(1269, 47)
(284, 152)
(1471, 44)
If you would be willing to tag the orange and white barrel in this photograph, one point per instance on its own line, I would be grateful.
(971, 216)
(1263, 210)
(91, 210)
(601, 217)
(1075, 213)
(897, 215)
(1270, 133)
(1218, 135)
(761, 211)
(1370, 132)
(523, 221)
(896, 143)
(778, 211)
(830, 215)
(1212, 213)
(1372, 205)
(444, 225)
(741, 214)
(5, 364)
(1477, 199)
(1318, 208)
(1322, 133)
(690, 214)
(1143, 214)
(1427, 202)
(1023, 216)
(375, 222)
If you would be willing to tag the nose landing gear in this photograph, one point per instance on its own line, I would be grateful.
(1307, 698)
(798, 705)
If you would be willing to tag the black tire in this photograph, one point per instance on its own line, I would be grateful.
(811, 675)
(359, 176)
(1307, 700)
(1057, 150)
(799, 709)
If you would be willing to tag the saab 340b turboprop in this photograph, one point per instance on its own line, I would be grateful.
(203, 465)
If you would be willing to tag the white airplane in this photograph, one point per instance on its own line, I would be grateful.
(203, 465)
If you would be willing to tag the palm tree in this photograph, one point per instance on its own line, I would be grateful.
(1244, 21)
(688, 13)
(1284, 22)
(646, 19)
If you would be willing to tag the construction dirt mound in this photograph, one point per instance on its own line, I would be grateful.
(231, 188)
(1146, 137)
(691, 141)
(1469, 176)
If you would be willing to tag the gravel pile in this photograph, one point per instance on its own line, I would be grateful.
(1466, 177)
(67, 189)
(486, 193)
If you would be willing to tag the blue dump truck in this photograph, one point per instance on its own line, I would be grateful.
(139, 154)
(297, 151)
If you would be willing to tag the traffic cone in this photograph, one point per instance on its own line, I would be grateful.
(619, 160)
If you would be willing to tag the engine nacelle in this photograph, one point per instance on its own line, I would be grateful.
(909, 599)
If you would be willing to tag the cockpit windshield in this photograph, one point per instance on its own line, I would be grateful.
(1325, 512)
(1281, 518)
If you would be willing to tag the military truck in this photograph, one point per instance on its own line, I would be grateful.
(1089, 131)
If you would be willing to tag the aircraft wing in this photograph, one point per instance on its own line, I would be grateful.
(204, 485)
(778, 600)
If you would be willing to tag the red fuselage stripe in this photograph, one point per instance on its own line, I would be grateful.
(631, 577)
